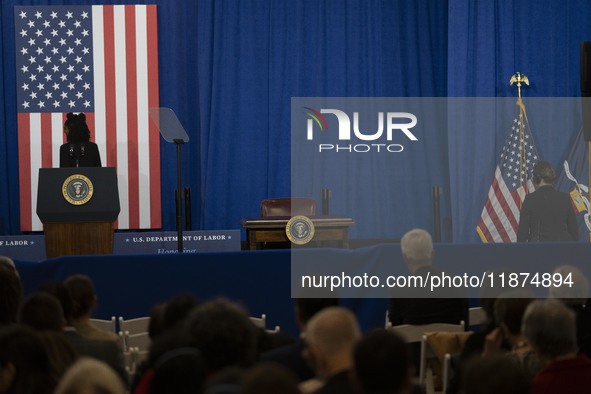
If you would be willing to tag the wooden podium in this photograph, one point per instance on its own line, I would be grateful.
(78, 208)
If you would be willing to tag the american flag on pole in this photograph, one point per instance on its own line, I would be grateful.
(103, 61)
(500, 216)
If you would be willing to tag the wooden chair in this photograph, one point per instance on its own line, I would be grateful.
(260, 322)
(288, 206)
(134, 326)
(140, 341)
(417, 334)
(105, 325)
(477, 316)
(436, 354)
(274, 330)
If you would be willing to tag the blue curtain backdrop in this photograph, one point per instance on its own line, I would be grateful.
(230, 68)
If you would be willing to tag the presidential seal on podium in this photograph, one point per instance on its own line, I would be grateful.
(300, 230)
(77, 189)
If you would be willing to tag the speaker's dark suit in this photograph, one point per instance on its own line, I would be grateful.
(547, 215)
(87, 154)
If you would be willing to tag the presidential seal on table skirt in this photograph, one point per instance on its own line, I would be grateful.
(300, 230)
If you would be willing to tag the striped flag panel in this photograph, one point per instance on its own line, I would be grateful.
(499, 219)
(103, 61)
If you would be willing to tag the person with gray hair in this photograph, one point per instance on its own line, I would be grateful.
(550, 328)
(331, 335)
(418, 306)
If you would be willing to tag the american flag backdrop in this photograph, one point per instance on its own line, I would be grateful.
(103, 61)
(500, 216)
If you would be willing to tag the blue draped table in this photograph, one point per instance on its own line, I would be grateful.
(129, 285)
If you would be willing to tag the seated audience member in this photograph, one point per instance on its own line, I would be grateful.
(475, 343)
(382, 364)
(180, 370)
(90, 376)
(224, 334)
(106, 351)
(413, 306)
(494, 375)
(84, 301)
(331, 335)
(550, 328)
(419, 306)
(11, 294)
(177, 309)
(509, 310)
(43, 313)
(164, 343)
(165, 320)
(24, 364)
(290, 356)
(576, 297)
(7, 262)
(227, 381)
(269, 378)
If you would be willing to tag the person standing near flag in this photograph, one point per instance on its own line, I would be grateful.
(546, 214)
(79, 151)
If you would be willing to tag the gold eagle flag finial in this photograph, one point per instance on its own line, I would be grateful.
(519, 78)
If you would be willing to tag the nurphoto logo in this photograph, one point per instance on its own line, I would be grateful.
(389, 123)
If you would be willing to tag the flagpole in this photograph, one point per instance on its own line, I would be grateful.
(521, 78)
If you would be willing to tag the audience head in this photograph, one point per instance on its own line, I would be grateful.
(417, 248)
(42, 312)
(267, 378)
(24, 363)
(156, 323)
(575, 294)
(509, 310)
(90, 376)
(180, 370)
(224, 333)
(331, 335)
(550, 328)
(382, 363)
(177, 309)
(494, 375)
(11, 294)
(62, 294)
(83, 295)
(305, 308)
(60, 352)
(489, 295)
(7, 262)
(76, 128)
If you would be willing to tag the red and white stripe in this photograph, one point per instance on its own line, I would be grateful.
(499, 219)
(125, 88)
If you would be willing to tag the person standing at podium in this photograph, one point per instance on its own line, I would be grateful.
(79, 151)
